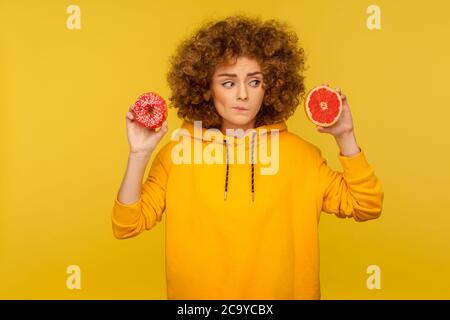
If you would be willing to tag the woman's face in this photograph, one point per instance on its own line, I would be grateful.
(237, 91)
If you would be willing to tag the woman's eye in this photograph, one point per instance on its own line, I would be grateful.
(227, 84)
(253, 83)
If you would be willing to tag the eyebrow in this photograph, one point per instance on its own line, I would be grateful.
(235, 75)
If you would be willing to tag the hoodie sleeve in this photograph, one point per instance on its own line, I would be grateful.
(132, 219)
(354, 193)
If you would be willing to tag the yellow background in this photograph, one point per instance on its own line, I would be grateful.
(64, 94)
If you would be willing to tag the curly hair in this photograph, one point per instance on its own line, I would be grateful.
(270, 42)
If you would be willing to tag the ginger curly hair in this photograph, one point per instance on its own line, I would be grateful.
(270, 42)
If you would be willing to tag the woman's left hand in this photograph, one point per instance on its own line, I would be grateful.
(344, 126)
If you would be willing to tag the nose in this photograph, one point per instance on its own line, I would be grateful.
(242, 93)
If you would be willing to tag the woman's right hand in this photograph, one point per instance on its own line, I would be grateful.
(143, 140)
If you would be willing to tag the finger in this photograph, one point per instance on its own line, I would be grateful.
(162, 131)
(338, 90)
(164, 127)
(130, 116)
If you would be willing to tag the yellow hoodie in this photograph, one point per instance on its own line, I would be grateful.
(226, 245)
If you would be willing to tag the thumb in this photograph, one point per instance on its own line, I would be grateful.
(324, 129)
(163, 130)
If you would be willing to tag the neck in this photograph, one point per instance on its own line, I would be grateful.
(227, 125)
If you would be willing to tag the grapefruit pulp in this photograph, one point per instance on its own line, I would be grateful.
(323, 106)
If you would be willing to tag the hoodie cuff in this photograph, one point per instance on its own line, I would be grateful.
(356, 165)
(126, 214)
(134, 205)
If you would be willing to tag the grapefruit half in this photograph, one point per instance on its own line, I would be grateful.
(323, 106)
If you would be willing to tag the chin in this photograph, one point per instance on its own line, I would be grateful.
(240, 121)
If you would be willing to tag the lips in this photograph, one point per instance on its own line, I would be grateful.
(238, 108)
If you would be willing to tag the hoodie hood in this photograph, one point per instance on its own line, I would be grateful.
(196, 132)
(199, 133)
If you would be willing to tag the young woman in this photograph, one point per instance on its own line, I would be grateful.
(241, 229)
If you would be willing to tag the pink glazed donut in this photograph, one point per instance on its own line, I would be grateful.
(150, 110)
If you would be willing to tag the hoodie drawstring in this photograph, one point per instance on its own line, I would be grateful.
(252, 170)
(226, 177)
(253, 166)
